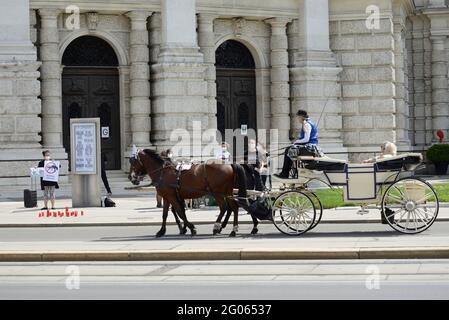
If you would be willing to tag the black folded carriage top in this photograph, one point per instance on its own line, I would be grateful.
(406, 161)
(323, 164)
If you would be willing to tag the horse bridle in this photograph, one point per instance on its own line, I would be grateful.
(141, 176)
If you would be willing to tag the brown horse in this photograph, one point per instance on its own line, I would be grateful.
(200, 180)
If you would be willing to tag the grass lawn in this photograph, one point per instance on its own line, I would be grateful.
(334, 198)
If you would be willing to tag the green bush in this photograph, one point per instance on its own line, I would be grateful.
(438, 153)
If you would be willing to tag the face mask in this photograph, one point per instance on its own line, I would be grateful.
(47, 157)
(223, 148)
(170, 155)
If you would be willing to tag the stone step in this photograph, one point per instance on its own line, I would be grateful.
(65, 191)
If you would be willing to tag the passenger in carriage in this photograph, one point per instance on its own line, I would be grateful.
(223, 154)
(307, 143)
(387, 149)
(253, 164)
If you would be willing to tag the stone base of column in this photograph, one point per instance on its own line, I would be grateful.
(311, 58)
(316, 89)
(179, 104)
(19, 123)
(404, 146)
(177, 54)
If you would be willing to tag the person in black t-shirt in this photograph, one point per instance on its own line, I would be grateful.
(104, 161)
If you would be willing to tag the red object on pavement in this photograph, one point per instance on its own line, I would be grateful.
(440, 135)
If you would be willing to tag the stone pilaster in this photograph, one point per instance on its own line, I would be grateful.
(440, 97)
(401, 97)
(315, 75)
(206, 41)
(155, 37)
(50, 79)
(427, 44)
(140, 107)
(19, 91)
(19, 122)
(409, 76)
(180, 89)
(280, 87)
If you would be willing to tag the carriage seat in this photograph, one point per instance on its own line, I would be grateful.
(323, 163)
(406, 161)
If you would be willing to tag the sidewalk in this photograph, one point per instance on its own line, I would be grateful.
(141, 210)
(312, 246)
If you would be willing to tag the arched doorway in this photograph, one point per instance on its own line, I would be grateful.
(90, 89)
(236, 87)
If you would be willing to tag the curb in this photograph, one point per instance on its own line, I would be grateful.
(157, 224)
(230, 254)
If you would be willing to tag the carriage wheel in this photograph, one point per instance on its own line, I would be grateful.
(410, 205)
(293, 213)
(319, 209)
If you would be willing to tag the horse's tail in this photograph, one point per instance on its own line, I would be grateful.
(240, 181)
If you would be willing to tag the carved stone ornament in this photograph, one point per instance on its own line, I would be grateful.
(239, 25)
(92, 20)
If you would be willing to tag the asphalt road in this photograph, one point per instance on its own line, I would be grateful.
(224, 280)
(142, 233)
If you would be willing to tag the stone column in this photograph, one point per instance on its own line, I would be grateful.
(401, 97)
(180, 89)
(51, 81)
(440, 98)
(315, 75)
(140, 108)
(427, 44)
(418, 84)
(19, 102)
(155, 37)
(280, 87)
(206, 41)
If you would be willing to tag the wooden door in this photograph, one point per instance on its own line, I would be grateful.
(92, 93)
(236, 101)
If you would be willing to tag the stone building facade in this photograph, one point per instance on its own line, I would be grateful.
(147, 68)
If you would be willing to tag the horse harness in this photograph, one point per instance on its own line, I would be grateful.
(177, 185)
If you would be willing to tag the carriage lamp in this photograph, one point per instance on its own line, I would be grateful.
(440, 135)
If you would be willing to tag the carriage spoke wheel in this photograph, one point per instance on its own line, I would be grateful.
(318, 208)
(293, 213)
(410, 205)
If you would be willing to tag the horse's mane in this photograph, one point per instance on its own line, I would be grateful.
(154, 155)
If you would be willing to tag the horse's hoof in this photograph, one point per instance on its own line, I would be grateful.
(160, 234)
(193, 231)
(215, 232)
(254, 231)
(232, 234)
(183, 231)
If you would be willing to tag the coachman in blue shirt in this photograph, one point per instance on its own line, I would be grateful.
(306, 143)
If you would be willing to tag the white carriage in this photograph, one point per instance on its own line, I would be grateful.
(407, 203)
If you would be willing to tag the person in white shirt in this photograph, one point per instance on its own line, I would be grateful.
(223, 153)
(252, 166)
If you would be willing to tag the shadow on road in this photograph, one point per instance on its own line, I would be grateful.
(352, 234)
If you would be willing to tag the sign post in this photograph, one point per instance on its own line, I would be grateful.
(85, 158)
